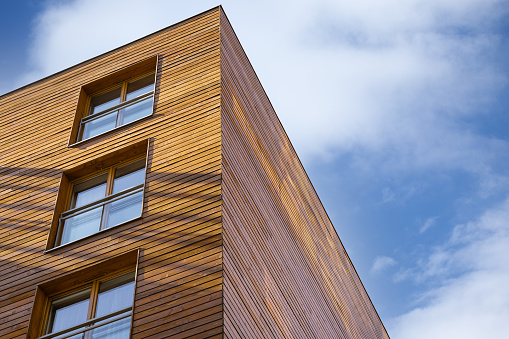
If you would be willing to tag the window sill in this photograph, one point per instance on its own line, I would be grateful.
(90, 236)
(82, 142)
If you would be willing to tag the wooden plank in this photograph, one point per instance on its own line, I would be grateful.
(179, 234)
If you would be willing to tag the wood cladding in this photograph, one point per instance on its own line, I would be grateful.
(179, 237)
(233, 241)
(286, 273)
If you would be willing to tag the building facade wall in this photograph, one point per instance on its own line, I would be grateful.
(179, 282)
(286, 273)
(233, 240)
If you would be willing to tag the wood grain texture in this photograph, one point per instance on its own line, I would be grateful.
(233, 241)
(286, 273)
(179, 282)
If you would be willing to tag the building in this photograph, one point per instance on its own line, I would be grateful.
(152, 191)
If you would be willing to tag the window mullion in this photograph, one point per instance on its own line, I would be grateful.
(109, 191)
(92, 305)
(111, 177)
(124, 91)
(120, 113)
(93, 300)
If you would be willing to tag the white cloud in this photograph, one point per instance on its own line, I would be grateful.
(68, 32)
(381, 263)
(400, 92)
(427, 224)
(387, 195)
(388, 80)
(471, 272)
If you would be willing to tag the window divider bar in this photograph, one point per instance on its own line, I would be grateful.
(71, 331)
(116, 108)
(101, 202)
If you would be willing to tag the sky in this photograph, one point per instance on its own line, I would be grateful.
(397, 109)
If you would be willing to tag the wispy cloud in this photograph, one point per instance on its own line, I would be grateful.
(427, 224)
(470, 273)
(398, 80)
(68, 32)
(392, 84)
(387, 195)
(387, 80)
(381, 263)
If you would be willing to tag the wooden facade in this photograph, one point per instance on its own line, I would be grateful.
(233, 241)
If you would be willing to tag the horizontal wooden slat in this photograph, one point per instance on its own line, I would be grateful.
(179, 282)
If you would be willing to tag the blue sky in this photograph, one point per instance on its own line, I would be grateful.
(398, 110)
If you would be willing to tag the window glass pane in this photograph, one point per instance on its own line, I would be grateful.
(89, 191)
(81, 225)
(114, 298)
(100, 125)
(129, 180)
(64, 336)
(140, 86)
(125, 209)
(114, 295)
(116, 330)
(69, 316)
(69, 311)
(137, 111)
(104, 101)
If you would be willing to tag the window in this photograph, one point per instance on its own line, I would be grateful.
(115, 98)
(119, 105)
(100, 293)
(102, 200)
(101, 309)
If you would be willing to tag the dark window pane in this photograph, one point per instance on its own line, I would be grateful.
(140, 86)
(104, 101)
